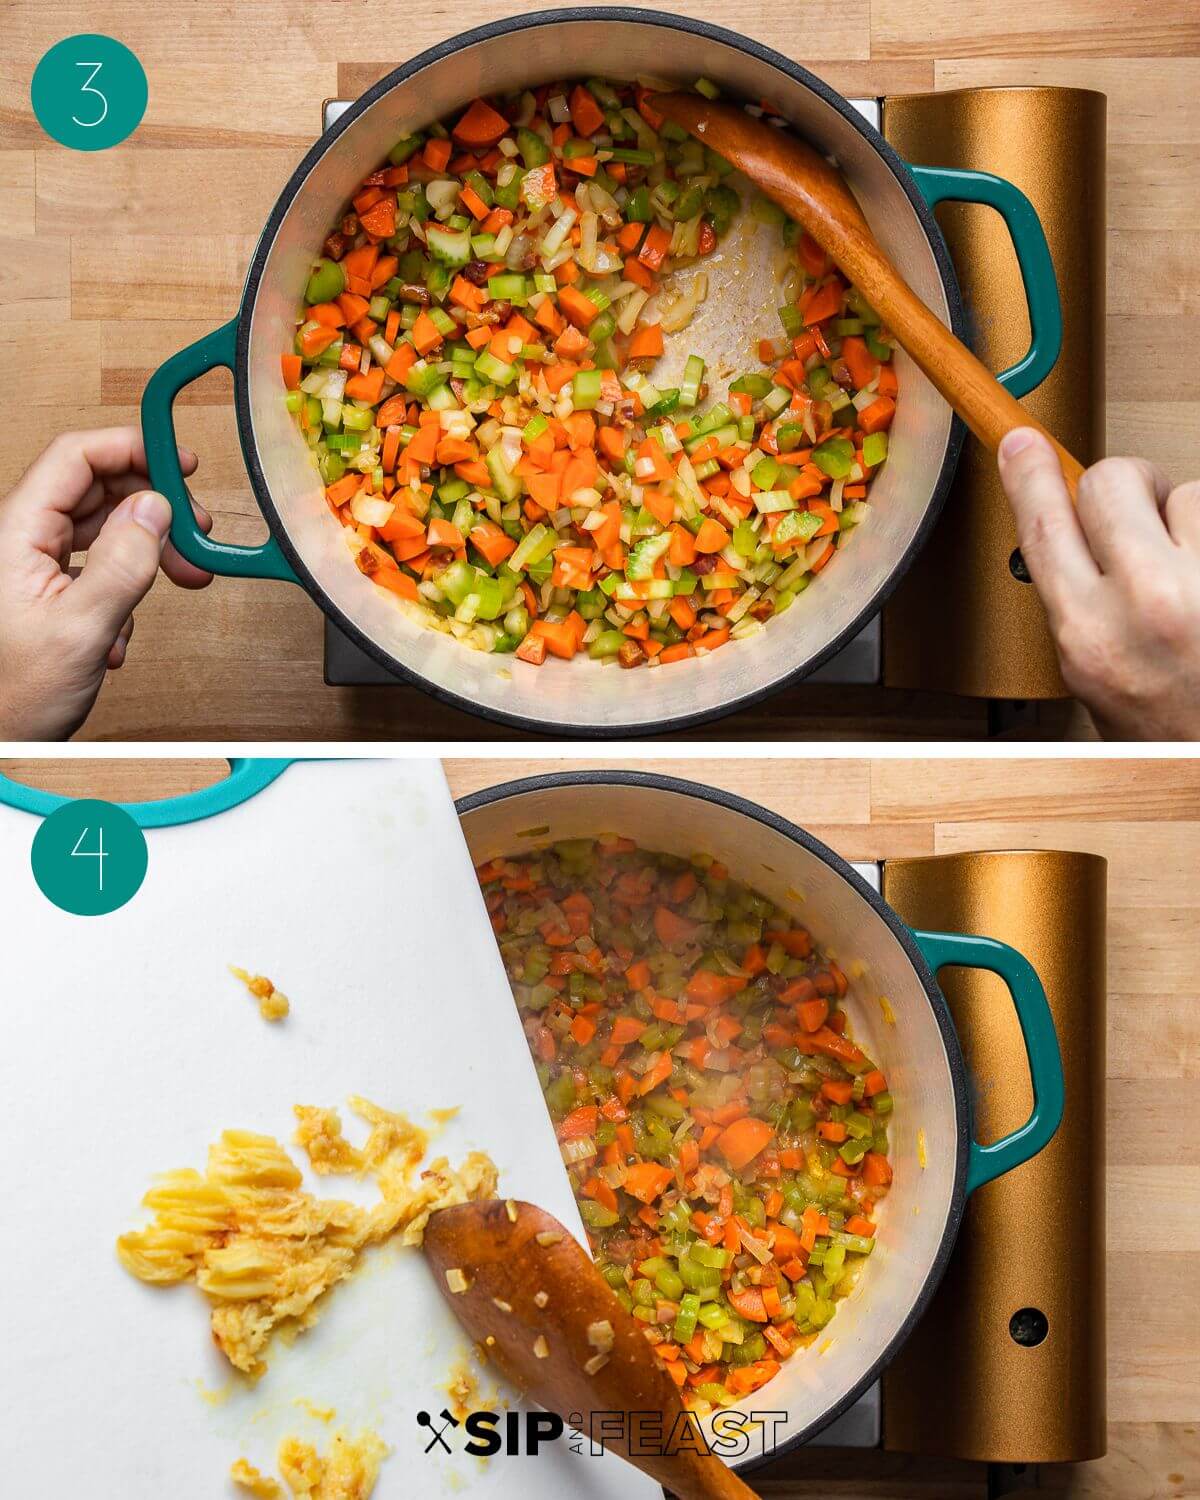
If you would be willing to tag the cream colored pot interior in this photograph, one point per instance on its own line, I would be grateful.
(910, 1049)
(580, 694)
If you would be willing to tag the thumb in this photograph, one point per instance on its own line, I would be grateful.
(122, 562)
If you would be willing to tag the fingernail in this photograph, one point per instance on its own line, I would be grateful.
(1016, 441)
(187, 456)
(152, 512)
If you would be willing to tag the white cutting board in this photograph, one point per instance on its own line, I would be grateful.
(128, 1047)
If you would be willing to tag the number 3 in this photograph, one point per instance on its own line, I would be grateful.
(88, 89)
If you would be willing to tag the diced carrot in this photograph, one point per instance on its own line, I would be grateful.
(532, 649)
(581, 310)
(654, 247)
(464, 293)
(492, 543)
(878, 416)
(422, 449)
(629, 236)
(401, 362)
(403, 527)
(436, 154)
(559, 636)
(572, 342)
(361, 262)
(748, 1303)
(672, 929)
(366, 387)
(660, 505)
(586, 114)
(599, 1191)
(812, 1013)
(583, 1030)
(443, 534)
(426, 335)
(647, 342)
(822, 301)
(712, 536)
(647, 1180)
(859, 360)
(682, 551)
(292, 368)
(328, 313)
(742, 1141)
(379, 221)
(480, 126)
(316, 340)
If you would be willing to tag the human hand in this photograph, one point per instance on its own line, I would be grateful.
(1120, 578)
(61, 629)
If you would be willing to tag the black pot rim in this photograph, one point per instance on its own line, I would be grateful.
(652, 781)
(507, 27)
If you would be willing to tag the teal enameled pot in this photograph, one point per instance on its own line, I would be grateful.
(899, 1016)
(306, 545)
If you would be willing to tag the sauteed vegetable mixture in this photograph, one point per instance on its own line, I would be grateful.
(474, 371)
(726, 1139)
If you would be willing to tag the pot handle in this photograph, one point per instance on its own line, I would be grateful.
(247, 777)
(162, 456)
(961, 185)
(943, 949)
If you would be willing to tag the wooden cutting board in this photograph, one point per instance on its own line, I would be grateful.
(128, 1047)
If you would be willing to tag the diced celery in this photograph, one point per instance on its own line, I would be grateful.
(536, 545)
(769, 501)
(508, 288)
(776, 399)
(492, 368)
(326, 281)
(835, 457)
(405, 147)
(796, 526)
(585, 389)
(534, 150)
(693, 376)
(607, 643)
(451, 246)
(507, 485)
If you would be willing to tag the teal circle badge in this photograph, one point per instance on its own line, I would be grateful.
(89, 858)
(89, 92)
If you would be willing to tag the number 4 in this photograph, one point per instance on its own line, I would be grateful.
(88, 89)
(97, 854)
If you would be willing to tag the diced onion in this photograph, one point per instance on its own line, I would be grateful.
(369, 510)
(679, 310)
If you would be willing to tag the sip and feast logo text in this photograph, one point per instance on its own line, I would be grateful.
(488, 1434)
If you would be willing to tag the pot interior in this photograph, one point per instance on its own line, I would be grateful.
(903, 1036)
(581, 695)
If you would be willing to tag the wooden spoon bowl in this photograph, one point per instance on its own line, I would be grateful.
(540, 1310)
(814, 193)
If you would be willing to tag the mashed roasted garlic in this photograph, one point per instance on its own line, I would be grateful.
(262, 1249)
(273, 1005)
(347, 1472)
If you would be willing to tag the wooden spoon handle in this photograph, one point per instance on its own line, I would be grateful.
(988, 409)
(813, 192)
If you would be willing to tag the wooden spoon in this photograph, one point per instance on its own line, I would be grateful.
(531, 1296)
(815, 194)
